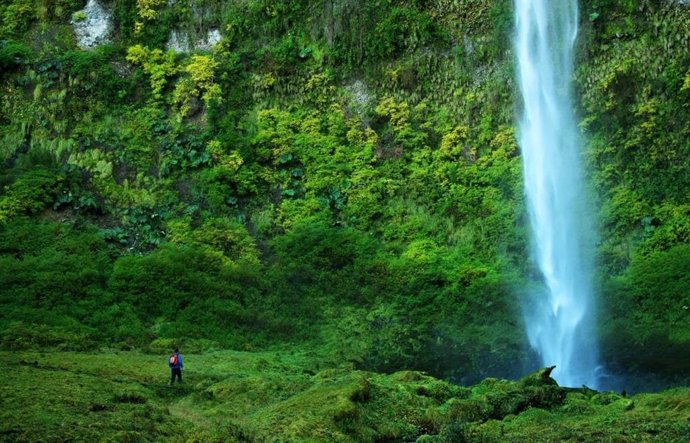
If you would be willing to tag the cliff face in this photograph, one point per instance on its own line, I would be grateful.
(339, 174)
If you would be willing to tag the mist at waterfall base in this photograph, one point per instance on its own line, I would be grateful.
(559, 315)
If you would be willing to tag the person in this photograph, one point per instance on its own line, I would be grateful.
(176, 366)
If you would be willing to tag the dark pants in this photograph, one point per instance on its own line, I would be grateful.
(175, 372)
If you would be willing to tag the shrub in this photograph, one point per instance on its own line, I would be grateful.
(13, 54)
(158, 65)
(659, 285)
(15, 17)
(198, 291)
(79, 16)
(31, 193)
(21, 336)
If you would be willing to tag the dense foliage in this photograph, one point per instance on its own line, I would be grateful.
(342, 175)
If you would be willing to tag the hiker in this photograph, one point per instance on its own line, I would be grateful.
(176, 366)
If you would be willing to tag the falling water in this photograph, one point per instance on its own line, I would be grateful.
(559, 316)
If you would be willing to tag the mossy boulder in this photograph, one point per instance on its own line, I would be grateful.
(316, 414)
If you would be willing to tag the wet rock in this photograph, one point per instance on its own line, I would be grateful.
(359, 92)
(92, 25)
(180, 41)
(360, 98)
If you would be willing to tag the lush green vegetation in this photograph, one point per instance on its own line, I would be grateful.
(288, 186)
(269, 396)
(339, 176)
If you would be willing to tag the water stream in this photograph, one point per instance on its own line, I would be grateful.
(559, 315)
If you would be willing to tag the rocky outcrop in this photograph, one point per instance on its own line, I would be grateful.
(180, 41)
(92, 25)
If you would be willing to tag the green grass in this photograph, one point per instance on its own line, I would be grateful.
(287, 396)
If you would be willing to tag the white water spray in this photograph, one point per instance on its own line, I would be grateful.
(559, 319)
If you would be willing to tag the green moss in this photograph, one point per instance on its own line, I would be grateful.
(258, 396)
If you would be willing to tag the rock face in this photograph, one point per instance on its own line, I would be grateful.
(360, 94)
(92, 25)
(361, 99)
(180, 42)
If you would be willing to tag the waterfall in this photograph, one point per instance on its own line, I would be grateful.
(559, 316)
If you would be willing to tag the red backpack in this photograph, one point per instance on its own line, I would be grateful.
(173, 360)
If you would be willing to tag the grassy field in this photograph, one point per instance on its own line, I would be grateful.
(284, 396)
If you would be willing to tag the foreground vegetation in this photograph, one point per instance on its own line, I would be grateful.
(296, 397)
